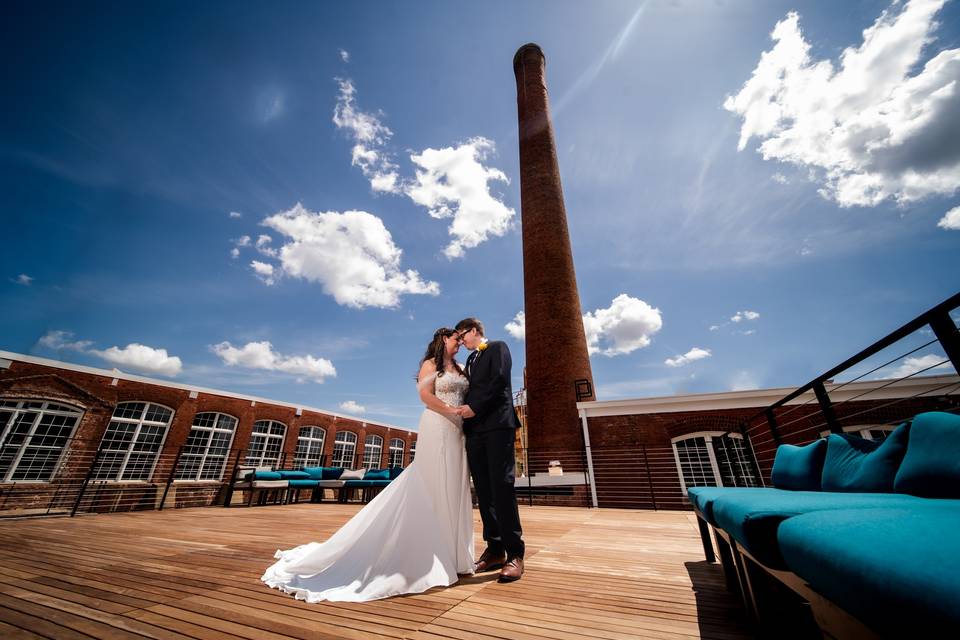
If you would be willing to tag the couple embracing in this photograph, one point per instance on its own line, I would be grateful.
(418, 532)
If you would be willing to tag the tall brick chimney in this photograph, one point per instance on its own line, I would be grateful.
(556, 344)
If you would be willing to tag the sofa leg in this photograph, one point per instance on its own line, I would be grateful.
(728, 564)
(705, 539)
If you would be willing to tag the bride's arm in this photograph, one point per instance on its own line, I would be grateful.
(425, 385)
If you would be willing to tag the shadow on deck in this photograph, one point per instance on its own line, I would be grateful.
(600, 573)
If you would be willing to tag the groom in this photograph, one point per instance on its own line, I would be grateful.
(489, 421)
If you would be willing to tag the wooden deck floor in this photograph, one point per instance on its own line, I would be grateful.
(194, 573)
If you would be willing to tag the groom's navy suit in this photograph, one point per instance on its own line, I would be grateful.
(490, 437)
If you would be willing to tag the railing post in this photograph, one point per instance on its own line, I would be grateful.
(753, 455)
(646, 463)
(173, 471)
(946, 332)
(726, 459)
(826, 407)
(529, 482)
(774, 429)
(86, 480)
(589, 452)
(228, 498)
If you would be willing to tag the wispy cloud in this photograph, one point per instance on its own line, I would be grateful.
(696, 353)
(868, 129)
(23, 279)
(235, 214)
(344, 55)
(136, 356)
(370, 137)
(740, 316)
(260, 355)
(353, 407)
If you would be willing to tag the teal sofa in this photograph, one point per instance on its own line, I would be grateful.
(861, 530)
(373, 481)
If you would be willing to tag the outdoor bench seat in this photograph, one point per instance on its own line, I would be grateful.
(896, 569)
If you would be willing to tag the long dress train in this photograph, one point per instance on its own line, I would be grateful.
(416, 534)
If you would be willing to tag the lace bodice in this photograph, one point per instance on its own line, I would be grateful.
(451, 387)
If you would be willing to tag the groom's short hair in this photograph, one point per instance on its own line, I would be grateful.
(470, 323)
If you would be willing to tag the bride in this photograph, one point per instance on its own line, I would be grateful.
(418, 532)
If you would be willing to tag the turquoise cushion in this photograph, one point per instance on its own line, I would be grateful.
(316, 473)
(857, 464)
(358, 483)
(931, 467)
(799, 468)
(332, 473)
(752, 519)
(704, 497)
(267, 475)
(897, 570)
(294, 475)
(394, 472)
(377, 474)
(303, 484)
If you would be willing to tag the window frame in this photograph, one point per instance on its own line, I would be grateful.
(342, 450)
(394, 452)
(368, 447)
(203, 457)
(117, 478)
(301, 461)
(262, 459)
(71, 410)
(714, 465)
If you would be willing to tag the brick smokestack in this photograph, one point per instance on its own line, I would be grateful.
(556, 344)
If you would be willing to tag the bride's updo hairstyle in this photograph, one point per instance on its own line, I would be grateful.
(435, 350)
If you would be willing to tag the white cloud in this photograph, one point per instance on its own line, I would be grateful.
(263, 246)
(951, 219)
(370, 135)
(453, 183)
(696, 353)
(142, 357)
(869, 129)
(344, 55)
(932, 362)
(744, 315)
(779, 178)
(242, 241)
(625, 326)
(518, 326)
(134, 355)
(58, 340)
(714, 327)
(352, 255)
(24, 279)
(743, 381)
(264, 271)
(235, 214)
(353, 407)
(260, 355)
(234, 253)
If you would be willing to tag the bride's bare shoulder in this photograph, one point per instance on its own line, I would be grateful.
(427, 368)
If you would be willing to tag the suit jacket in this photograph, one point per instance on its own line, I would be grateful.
(491, 393)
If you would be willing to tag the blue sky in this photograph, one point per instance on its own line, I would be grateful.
(813, 196)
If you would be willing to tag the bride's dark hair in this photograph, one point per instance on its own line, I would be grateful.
(435, 350)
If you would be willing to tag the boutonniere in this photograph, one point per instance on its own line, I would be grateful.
(482, 346)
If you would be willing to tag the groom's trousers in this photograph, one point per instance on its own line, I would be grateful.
(493, 467)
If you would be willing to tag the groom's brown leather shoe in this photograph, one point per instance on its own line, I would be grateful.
(489, 561)
(512, 570)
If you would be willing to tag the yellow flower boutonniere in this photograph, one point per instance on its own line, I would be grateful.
(482, 346)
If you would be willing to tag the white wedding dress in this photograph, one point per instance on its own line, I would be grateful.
(416, 534)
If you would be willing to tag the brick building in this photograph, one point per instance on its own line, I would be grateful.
(62, 421)
(646, 452)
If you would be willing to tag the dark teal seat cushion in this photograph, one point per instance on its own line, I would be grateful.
(394, 472)
(315, 473)
(267, 475)
(294, 475)
(303, 484)
(379, 483)
(752, 519)
(377, 474)
(897, 570)
(704, 497)
(856, 464)
(931, 467)
(332, 473)
(799, 468)
(354, 484)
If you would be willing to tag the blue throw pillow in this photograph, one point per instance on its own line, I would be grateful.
(863, 466)
(394, 472)
(267, 475)
(799, 468)
(377, 474)
(294, 475)
(315, 473)
(931, 467)
(332, 473)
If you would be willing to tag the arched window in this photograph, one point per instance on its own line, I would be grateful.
(413, 451)
(34, 434)
(396, 452)
(205, 453)
(266, 443)
(372, 451)
(309, 447)
(344, 449)
(711, 459)
(132, 442)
